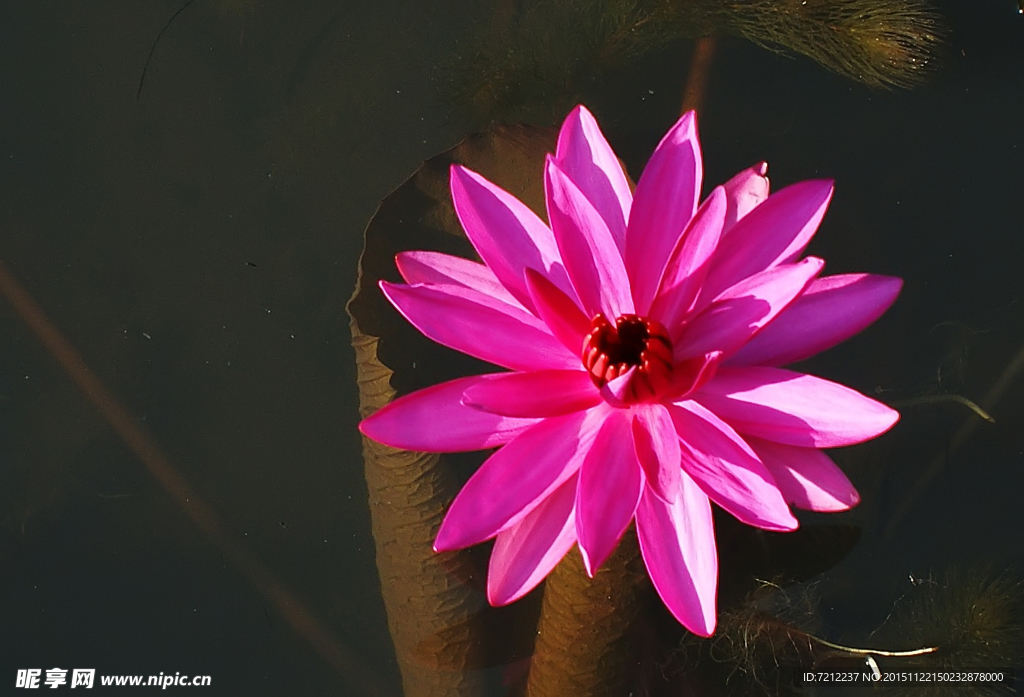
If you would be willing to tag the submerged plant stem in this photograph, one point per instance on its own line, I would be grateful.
(697, 80)
(584, 638)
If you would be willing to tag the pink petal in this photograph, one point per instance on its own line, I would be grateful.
(657, 449)
(807, 477)
(588, 249)
(435, 421)
(526, 552)
(786, 407)
(619, 392)
(744, 192)
(608, 492)
(514, 480)
(775, 232)
(507, 235)
(666, 198)
(692, 374)
(830, 311)
(689, 262)
(436, 268)
(740, 312)
(677, 542)
(585, 156)
(728, 470)
(559, 312)
(473, 323)
(536, 394)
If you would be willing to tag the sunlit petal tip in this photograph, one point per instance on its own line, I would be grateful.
(587, 246)
(677, 542)
(683, 131)
(665, 201)
(411, 422)
(585, 156)
(367, 431)
(792, 408)
(442, 545)
(831, 310)
(526, 552)
(481, 325)
(506, 233)
(686, 126)
(773, 233)
(745, 191)
(807, 477)
(728, 470)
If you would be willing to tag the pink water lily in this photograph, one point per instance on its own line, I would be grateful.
(644, 334)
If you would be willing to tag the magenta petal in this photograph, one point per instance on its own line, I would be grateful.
(775, 232)
(590, 254)
(666, 198)
(741, 311)
(585, 156)
(689, 262)
(793, 408)
(507, 235)
(514, 480)
(692, 374)
(435, 421)
(807, 477)
(830, 311)
(657, 449)
(527, 552)
(558, 310)
(436, 268)
(473, 323)
(727, 469)
(744, 192)
(618, 392)
(609, 490)
(677, 542)
(536, 394)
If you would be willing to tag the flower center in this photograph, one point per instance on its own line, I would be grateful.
(609, 350)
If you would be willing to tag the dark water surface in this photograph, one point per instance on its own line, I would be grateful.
(197, 246)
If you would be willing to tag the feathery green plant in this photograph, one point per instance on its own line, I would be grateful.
(544, 55)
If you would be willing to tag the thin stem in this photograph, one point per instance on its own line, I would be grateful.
(145, 67)
(871, 652)
(962, 435)
(939, 399)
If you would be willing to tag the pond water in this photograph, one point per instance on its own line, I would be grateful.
(201, 506)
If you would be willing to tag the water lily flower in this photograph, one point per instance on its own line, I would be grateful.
(644, 335)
